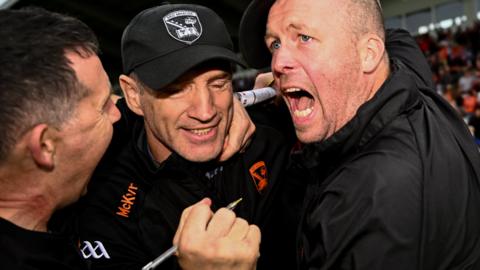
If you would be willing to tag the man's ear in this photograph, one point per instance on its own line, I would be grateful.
(131, 92)
(372, 51)
(41, 143)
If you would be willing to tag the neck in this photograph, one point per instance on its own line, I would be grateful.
(158, 150)
(28, 196)
(25, 214)
(24, 203)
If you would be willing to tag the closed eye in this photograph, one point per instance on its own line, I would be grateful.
(220, 84)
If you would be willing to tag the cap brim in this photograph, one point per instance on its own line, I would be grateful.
(252, 34)
(164, 70)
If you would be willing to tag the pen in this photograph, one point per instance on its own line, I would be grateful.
(254, 96)
(165, 255)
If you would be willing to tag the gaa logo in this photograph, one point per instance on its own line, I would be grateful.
(96, 251)
(183, 25)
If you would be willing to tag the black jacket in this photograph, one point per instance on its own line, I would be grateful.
(133, 206)
(397, 187)
(22, 249)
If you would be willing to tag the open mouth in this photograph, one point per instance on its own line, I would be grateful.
(301, 102)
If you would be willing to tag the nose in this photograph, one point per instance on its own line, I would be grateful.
(114, 114)
(283, 61)
(202, 105)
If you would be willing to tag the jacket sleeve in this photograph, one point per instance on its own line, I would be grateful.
(401, 45)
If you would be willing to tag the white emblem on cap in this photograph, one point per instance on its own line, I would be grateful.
(183, 25)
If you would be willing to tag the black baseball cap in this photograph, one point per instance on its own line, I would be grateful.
(252, 34)
(162, 43)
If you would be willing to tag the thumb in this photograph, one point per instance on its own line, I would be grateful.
(185, 214)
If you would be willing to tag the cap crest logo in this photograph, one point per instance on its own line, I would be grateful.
(183, 25)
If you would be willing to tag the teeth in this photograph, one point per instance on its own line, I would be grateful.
(292, 90)
(201, 131)
(299, 113)
(303, 113)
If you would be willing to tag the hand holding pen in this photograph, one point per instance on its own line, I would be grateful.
(204, 238)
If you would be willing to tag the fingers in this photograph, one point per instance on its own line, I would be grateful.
(245, 126)
(239, 229)
(253, 236)
(252, 241)
(263, 80)
(240, 248)
(248, 136)
(221, 223)
(267, 79)
(240, 132)
(229, 149)
(216, 241)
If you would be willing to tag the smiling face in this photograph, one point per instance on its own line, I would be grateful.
(316, 64)
(190, 116)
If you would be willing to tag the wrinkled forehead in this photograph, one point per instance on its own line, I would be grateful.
(305, 13)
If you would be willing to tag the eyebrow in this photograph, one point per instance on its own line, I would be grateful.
(223, 75)
(294, 26)
(268, 35)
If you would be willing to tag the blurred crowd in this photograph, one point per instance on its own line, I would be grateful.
(454, 56)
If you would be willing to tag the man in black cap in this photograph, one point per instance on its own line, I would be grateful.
(394, 173)
(177, 110)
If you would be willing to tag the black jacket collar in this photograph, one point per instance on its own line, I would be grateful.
(397, 95)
